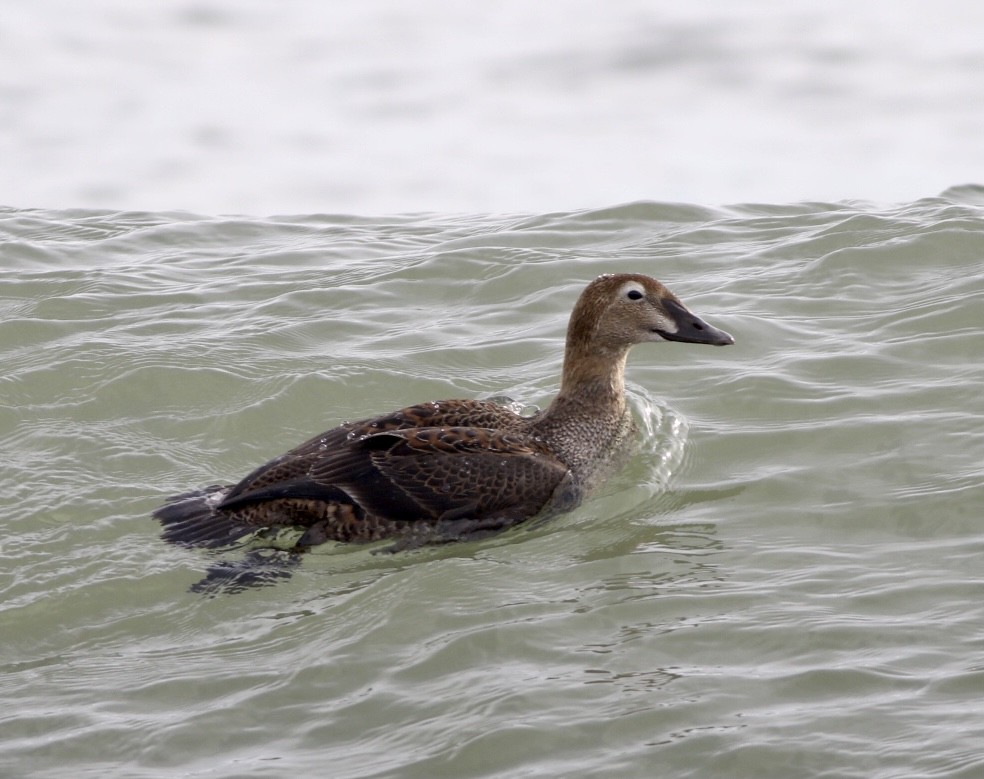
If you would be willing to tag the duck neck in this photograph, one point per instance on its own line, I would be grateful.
(593, 383)
(589, 417)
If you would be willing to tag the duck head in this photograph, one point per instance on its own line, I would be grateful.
(616, 311)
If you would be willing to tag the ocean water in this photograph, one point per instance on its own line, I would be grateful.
(785, 581)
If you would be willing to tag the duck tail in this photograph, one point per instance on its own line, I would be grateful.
(191, 519)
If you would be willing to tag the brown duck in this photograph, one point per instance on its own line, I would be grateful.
(455, 469)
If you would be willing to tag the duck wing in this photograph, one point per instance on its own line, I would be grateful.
(290, 471)
(433, 473)
(466, 472)
(435, 459)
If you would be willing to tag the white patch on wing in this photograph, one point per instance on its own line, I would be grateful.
(213, 499)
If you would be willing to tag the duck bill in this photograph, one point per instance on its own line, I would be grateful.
(690, 328)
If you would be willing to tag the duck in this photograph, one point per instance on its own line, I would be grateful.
(454, 470)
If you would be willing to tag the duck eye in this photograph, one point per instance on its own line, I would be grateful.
(633, 294)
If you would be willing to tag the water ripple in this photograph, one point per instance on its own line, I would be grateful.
(786, 573)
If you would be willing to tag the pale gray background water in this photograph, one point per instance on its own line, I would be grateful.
(380, 106)
(785, 582)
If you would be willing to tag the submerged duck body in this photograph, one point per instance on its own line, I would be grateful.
(454, 469)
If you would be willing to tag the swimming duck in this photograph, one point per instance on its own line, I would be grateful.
(456, 469)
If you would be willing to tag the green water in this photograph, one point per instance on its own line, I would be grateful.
(786, 581)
